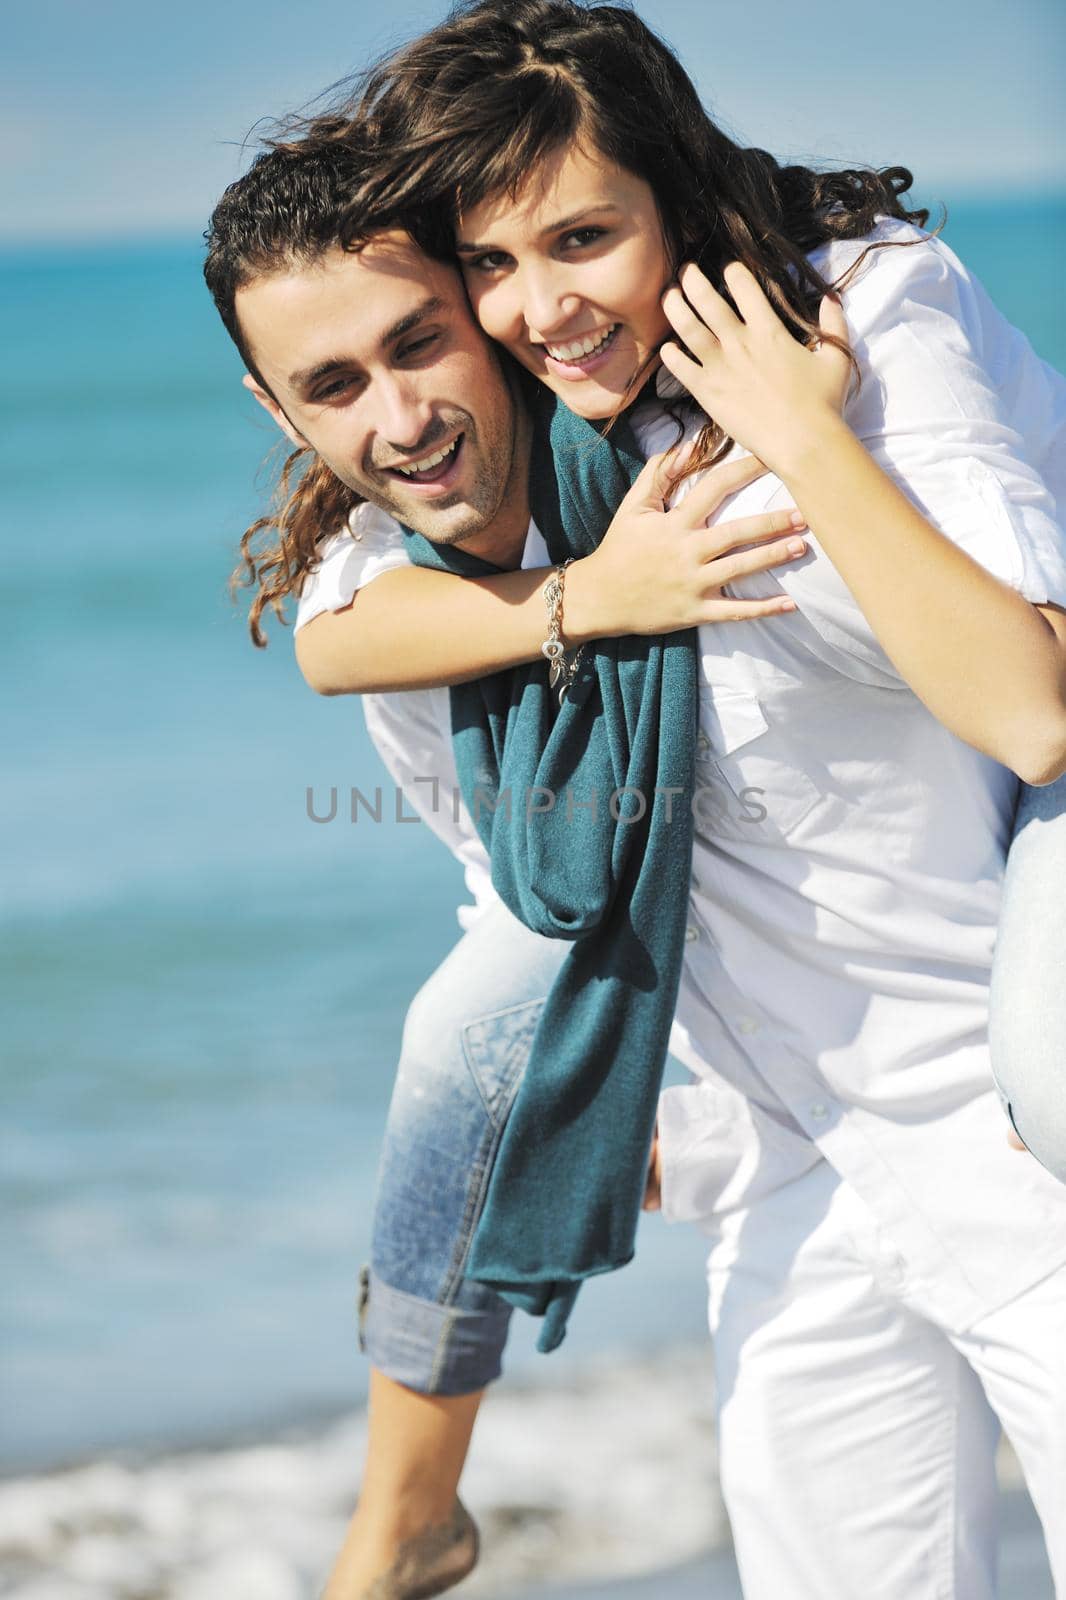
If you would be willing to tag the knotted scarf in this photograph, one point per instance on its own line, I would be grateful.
(585, 810)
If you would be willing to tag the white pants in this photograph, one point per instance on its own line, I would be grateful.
(857, 1437)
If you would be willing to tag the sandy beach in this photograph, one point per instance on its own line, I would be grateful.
(1023, 1573)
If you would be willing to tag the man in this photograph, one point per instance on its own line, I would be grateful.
(364, 394)
(375, 356)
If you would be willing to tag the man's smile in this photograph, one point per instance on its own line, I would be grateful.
(433, 472)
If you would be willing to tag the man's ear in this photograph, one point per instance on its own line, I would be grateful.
(268, 403)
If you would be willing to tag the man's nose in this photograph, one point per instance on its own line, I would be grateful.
(404, 414)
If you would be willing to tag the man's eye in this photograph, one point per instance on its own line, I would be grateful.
(417, 347)
(331, 390)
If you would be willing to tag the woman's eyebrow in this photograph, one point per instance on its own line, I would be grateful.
(559, 226)
(594, 210)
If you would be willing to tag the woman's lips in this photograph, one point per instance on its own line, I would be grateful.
(583, 366)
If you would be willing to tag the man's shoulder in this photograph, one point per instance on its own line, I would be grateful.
(365, 525)
(368, 523)
(369, 543)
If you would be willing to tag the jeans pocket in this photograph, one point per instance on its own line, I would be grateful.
(700, 1148)
(497, 1049)
(720, 1152)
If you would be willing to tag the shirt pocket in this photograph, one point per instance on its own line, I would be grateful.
(750, 784)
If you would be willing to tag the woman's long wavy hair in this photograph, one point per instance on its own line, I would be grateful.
(279, 549)
(469, 110)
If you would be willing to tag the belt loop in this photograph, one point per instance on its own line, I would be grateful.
(361, 1305)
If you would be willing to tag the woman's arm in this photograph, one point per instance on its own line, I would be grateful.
(987, 662)
(415, 627)
(656, 571)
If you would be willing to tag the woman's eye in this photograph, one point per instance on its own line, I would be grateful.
(581, 237)
(489, 261)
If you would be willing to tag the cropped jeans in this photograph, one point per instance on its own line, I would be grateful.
(466, 1042)
(1027, 1021)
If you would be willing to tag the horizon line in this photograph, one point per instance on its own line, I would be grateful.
(186, 231)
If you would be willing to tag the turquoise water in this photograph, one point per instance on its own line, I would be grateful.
(204, 988)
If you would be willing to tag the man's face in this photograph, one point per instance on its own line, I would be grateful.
(373, 359)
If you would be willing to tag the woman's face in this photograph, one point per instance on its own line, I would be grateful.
(569, 277)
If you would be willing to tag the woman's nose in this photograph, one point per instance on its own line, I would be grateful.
(549, 302)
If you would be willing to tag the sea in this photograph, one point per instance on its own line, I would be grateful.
(203, 995)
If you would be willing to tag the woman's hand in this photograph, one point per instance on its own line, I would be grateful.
(657, 570)
(770, 393)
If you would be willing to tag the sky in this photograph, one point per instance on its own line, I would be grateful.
(121, 118)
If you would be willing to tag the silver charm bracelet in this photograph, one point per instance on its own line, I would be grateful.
(562, 665)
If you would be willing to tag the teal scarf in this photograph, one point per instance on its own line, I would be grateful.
(574, 858)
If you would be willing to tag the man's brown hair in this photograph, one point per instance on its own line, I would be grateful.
(285, 212)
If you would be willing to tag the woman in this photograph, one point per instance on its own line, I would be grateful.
(777, 398)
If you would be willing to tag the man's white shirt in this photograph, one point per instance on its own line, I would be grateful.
(412, 731)
(849, 850)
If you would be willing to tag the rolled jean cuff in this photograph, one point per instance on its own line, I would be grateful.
(429, 1347)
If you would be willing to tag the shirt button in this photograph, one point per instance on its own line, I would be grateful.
(691, 934)
(702, 742)
(747, 1025)
(819, 1111)
(893, 1271)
